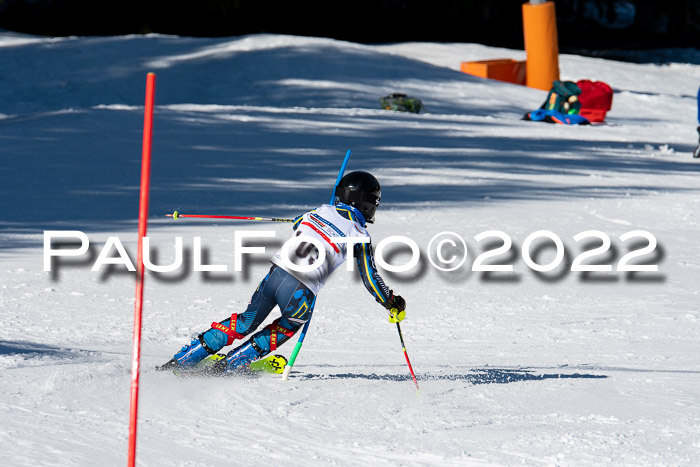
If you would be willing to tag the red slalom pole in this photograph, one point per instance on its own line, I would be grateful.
(143, 222)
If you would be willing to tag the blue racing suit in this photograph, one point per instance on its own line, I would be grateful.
(295, 293)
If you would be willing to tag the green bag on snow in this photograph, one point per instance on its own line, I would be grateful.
(563, 98)
(401, 103)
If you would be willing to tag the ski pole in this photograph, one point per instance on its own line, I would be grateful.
(297, 348)
(403, 345)
(295, 352)
(177, 215)
(340, 175)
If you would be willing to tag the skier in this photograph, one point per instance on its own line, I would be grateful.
(696, 153)
(356, 199)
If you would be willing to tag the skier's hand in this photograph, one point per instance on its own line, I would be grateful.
(396, 316)
(395, 301)
(396, 306)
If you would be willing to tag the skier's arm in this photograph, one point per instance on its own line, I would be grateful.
(373, 281)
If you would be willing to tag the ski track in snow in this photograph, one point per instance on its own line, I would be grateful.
(556, 368)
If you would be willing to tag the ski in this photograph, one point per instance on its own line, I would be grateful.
(272, 364)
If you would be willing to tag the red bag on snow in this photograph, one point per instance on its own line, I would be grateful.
(595, 98)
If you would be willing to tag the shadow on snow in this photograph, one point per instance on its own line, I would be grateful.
(474, 376)
(32, 350)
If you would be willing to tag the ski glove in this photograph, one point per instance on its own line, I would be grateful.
(396, 306)
(394, 301)
(396, 316)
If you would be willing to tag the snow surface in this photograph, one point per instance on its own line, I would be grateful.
(552, 368)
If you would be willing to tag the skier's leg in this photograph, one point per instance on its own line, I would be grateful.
(261, 304)
(224, 333)
(296, 306)
(296, 303)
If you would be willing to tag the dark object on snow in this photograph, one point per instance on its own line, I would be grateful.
(401, 103)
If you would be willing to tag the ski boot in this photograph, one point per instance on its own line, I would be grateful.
(188, 356)
(696, 153)
(238, 360)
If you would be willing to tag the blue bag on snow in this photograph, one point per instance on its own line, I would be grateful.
(552, 116)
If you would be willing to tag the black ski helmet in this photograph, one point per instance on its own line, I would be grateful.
(361, 190)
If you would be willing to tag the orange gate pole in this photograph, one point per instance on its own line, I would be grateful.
(541, 44)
